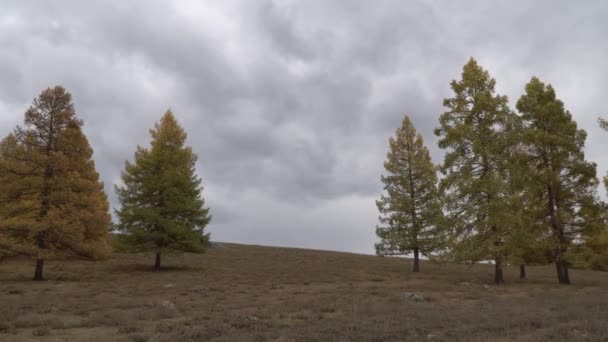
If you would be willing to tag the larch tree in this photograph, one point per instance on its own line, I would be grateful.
(596, 253)
(52, 203)
(411, 208)
(525, 243)
(474, 130)
(162, 208)
(520, 235)
(563, 182)
(604, 125)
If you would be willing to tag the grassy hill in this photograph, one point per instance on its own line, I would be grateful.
(254, 293)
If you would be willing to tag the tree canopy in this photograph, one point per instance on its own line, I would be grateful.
(474, 131)
(162, 208)
(564, 183)
(411, 208)
(52, 203)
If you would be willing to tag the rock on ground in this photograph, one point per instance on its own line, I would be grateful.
(416, 298)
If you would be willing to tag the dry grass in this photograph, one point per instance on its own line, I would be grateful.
(251, 293)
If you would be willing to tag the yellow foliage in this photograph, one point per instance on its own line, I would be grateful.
(52, 203)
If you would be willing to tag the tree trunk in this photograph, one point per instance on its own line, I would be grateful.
(566, 273)
(498, 276)
(558, 268)
(157, 262)
(416, 260)
(39, 269)
(563, 276)
(522, 271)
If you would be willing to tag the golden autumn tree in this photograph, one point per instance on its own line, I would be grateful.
(52, 204)
(162, 208)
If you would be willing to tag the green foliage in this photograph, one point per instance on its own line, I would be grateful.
(475, 131)
(560, 181)
(162, 208)
(411, 206)
(52, 203)
(526, 242)
(599, 245)
(604, 125)
(595, 253)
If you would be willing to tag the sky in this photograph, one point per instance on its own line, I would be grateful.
(290, 104)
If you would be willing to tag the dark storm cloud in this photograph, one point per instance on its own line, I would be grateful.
(290, 104)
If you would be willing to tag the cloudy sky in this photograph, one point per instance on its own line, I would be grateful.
(290, 104)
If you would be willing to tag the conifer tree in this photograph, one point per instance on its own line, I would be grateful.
(518, 243)
(604, 125)
(411, 206)
(525, 243)
(162, 208)
(52, 202)
(563, 182)
(596, 251)
(474, 130)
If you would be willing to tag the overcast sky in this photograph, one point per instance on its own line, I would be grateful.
(290, 104)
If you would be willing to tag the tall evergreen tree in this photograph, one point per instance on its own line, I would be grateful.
(526, 241)
(474, 130)
(52, 202)
(162, 208)
(595, 248)
(563, 182)
(603, 240)
(604, 125)
(411, 206)
(519, 242)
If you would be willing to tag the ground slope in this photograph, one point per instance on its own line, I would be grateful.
(253, 293)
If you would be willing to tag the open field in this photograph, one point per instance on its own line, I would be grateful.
(252, 293)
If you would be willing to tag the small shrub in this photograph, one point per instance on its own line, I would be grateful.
(139, 338)
(328, 309)
(164, 328)
(129, 329)
(41, 331)
(5, 328)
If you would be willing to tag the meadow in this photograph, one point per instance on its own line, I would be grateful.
(253, 293)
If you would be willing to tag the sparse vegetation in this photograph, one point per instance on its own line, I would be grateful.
(251, 293)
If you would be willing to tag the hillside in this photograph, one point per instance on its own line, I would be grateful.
(253, 293)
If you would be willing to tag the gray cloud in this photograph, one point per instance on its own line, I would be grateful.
(290, 104)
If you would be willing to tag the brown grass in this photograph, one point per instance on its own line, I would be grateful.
(252, 293)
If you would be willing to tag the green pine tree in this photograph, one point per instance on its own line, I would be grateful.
(411, 206)
(52, 204)
(604, 125)
(595, 255)
(525, 243)
(474, 130)
(563, 183)
(162, 208)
